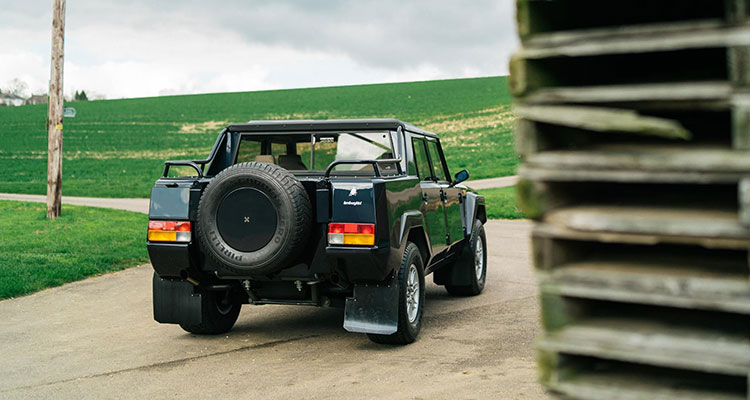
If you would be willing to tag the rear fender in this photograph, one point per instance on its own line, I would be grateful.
(173, 199)
(412, 223)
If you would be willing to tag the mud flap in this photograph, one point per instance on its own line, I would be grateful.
(175, 302)
(460, 273)
(373, 309)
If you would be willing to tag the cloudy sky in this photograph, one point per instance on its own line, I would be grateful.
(137, 48)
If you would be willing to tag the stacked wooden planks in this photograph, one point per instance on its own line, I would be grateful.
(634, 132)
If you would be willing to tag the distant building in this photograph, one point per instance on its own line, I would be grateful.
(10, 99)
(37, 99)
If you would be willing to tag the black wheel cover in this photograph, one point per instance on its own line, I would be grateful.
(254, 218)
(246, 219)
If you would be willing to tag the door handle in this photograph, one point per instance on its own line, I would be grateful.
(425, 198)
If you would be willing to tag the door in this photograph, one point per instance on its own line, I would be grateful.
(432, 203)
(451, 196)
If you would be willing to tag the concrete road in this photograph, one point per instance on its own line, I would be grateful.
(490, 183)
(135, 205)
(97, 339)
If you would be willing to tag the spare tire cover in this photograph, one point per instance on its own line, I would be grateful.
(254, 218)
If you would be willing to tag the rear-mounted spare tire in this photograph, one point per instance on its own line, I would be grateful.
(254, 218)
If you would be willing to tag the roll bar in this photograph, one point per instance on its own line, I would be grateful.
(374, 164)
(198, 165)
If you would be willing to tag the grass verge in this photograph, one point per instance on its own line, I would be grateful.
(36, 253)
(501, 203)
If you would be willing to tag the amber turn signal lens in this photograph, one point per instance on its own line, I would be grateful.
(351, 234)
(169, 231)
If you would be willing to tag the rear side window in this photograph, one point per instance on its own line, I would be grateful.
(438, 168)
(249, 150)
(420, 157)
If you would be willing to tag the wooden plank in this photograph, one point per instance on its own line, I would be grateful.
(517, 79)
(636, 382)
(551, 174)
(558, 312)
(676, 284)
(651, 220)
(545, 229)
(527, 137)
(640, 40)
(549, 254)
(737, 10)
(741, 124)
(738, 60)
(523, 19)
(698, 348)
(634, 158)
(744, 201)
(601, 119)
(572, 37)
(532, 198)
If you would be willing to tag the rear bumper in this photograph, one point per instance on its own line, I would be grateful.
(169, 259)
(361, 263)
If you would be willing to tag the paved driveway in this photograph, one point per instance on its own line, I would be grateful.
(97, 339)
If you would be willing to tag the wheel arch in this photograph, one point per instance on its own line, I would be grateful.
(475, 209)
(412, 230)
(418, 236)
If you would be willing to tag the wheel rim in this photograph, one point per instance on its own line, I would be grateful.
(412, 294)
(479, 259)
(223, 307)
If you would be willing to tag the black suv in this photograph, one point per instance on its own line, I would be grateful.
(347, 213)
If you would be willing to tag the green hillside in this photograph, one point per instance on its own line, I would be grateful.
(116, 148)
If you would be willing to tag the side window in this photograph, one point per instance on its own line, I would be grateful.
(278, 149)
(438, 168)
(248, 151)
(420, 157)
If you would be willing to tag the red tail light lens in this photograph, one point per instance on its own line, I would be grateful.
(169, 231)
(351, 234)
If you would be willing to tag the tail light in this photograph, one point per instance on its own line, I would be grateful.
(169, 231)
(351, 234)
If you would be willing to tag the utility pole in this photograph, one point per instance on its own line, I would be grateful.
(55, 112)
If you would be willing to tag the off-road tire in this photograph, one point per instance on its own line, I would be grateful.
(467, 260)
(407, 331)
(293, 218)
(218, 314)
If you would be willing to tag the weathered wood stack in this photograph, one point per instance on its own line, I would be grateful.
(634, 131)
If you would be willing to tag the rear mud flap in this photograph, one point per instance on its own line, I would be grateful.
(373, 309)
(175, 302)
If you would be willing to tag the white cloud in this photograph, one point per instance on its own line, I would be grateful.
(142, 48)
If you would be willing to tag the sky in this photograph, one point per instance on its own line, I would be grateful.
(139, 48)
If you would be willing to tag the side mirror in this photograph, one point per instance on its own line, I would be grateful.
(460, 177)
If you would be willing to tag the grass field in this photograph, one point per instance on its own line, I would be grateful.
(116, 148)
(501, 203)
(36, 253)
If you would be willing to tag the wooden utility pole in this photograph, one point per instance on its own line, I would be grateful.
(55, 112)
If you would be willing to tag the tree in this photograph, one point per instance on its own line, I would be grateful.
(81, 96)
(17, 87)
